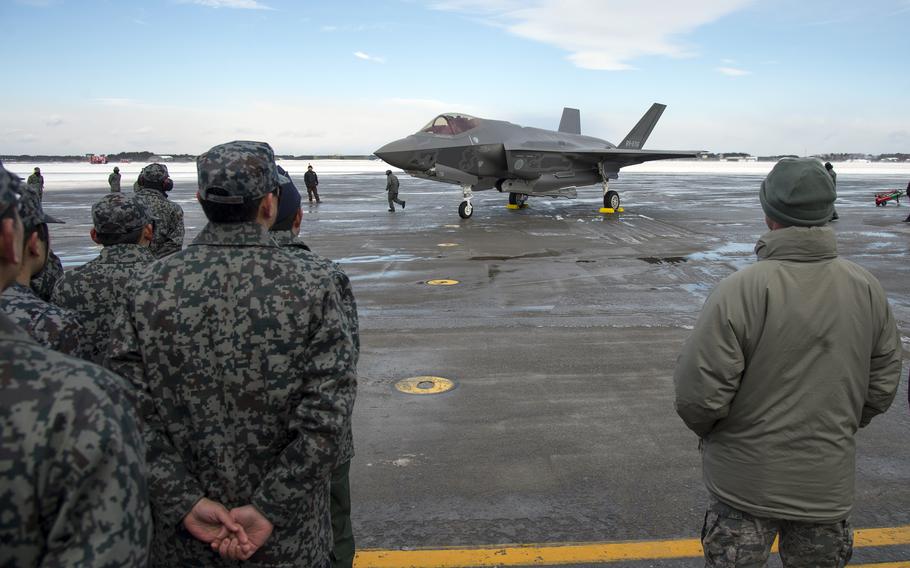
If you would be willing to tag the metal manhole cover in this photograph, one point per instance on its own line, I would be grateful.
(424, 385)
(442, 282)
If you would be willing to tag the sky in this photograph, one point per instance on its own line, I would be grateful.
(344, 77)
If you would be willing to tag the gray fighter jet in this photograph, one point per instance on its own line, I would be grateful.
(480, 154)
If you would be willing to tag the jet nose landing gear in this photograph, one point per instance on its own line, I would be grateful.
(465, 210)
(611, 200)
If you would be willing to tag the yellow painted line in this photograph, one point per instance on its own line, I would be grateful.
(424, 385)
(582, 553)
(883, 565)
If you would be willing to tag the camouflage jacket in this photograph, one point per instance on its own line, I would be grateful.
(97, 291)
(74, 489)
(49, 325)
(43, 284)
(37, 181)
(114, 181)
(298, 248)
(168, 216)
(245, 370)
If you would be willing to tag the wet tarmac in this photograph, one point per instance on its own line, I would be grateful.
(560, 336)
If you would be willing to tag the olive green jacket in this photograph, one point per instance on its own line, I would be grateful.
(788, 359)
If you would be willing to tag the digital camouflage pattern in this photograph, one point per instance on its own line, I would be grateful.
(239, 170)
(301, 251)
(72, 462)
(43, 283)
(169, 229)
(49, 325)
(118, 214)
(31, 211)
(245, 372)
(98, 290)
(10, 188)
(733, 538)
(36, 181)
(153, 175)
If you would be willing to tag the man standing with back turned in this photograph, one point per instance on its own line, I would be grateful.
(244, 368)
(789, 357)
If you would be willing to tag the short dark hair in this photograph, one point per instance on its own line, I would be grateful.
(231, 212)
(44, 234)
(109, 239)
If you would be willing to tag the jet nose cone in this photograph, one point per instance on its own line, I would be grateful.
(395, 153)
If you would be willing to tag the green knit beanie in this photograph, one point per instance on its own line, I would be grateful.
(799, 192)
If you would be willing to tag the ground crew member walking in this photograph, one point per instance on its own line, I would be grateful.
(98, 290)
(286, 232)
(114, 180)
(391, 186)
(154, 183)
(36, 180)
(789, 357)
(73, 467)
(244, 368)
(49, 325)
(311, 181)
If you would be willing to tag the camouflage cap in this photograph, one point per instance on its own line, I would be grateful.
(31, 211)
(9, 188)
(154, 173)
(236, 171)
(117, 214)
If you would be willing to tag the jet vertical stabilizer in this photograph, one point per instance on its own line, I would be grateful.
(636, 138)
(571, 121)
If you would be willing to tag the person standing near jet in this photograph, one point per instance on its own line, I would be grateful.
(244, 371)
(73, 467)
(99, 289)
(49, 325)
(907, 220)
(788, 359)
(286, 232)
(311, 181)
(391, 186)
(833, 175)
(36, 180)
(114, 180)
(154, 184)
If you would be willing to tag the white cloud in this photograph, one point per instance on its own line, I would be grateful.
(428, 104)
(368, 57)
(733, 71)
(238, 4)
(54, 120)
(602, 34)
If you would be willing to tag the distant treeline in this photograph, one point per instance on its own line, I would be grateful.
(147, 157)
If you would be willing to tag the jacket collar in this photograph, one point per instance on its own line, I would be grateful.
(12, 332)
(16, 289)
(802, 244)
(234, 235)
(126, 254)
(288, 239)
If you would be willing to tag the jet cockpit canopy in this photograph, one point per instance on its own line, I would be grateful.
(451, 124)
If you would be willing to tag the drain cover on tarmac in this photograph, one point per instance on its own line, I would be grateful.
(442, 282)
(424, 385)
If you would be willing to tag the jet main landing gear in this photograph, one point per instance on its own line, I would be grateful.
(518, 200)
(466, 209)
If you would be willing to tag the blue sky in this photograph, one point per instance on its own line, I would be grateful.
(765, 77)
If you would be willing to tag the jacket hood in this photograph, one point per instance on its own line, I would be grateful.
(801, 244)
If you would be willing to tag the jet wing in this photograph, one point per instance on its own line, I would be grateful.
(618, 158)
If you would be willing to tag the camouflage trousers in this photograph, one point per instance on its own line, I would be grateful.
(731, 537)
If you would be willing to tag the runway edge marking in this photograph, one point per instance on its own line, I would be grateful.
(580, 553)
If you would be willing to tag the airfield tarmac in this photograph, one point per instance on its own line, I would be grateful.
(560, 337)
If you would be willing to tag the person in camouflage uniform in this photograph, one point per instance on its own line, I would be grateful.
(114, 180)
(48, 324)
(154, 183)
(36, 181)
(286, 232)
(97, 290)
(43, 283)
(244, 367)
(72, 475)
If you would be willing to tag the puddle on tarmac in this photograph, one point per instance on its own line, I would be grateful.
(545, 254)
(378, 258)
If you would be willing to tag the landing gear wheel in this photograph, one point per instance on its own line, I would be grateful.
(465, 210)
(519, 199)
(611, 200)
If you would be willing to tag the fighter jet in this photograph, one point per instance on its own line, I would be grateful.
(480, 154)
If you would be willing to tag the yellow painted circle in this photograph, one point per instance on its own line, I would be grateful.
(447, 245)
(424, 385)
(442, 282)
